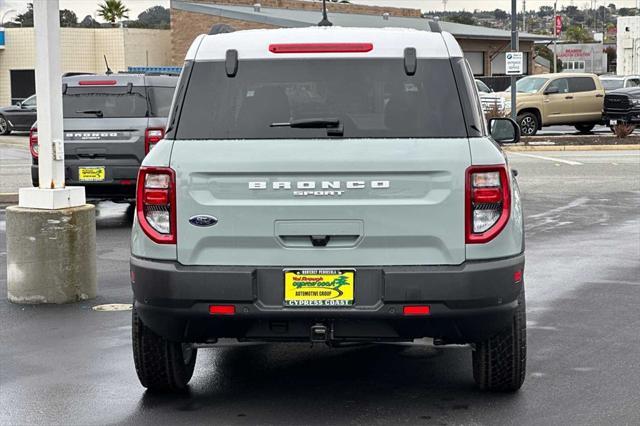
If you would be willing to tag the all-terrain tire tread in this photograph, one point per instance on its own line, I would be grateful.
(499, 363)
(158, 361)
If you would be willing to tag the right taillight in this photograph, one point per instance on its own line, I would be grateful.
(33, 142)
(156, 203)
(488, 202)
(151, 138)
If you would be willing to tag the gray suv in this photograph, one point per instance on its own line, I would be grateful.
(110, 123)
(328, 185)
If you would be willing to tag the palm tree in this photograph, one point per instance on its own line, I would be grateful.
(112, 10)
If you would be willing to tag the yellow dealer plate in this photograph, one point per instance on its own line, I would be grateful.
(318, 287)
(91, 174)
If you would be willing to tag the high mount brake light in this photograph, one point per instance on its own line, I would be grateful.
(151, 138)
(487, 204)
(156, 203)
(97, 82)
(321, 48)
(33, 142)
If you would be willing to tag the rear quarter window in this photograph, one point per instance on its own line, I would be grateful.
(581, 84)
(160, 100)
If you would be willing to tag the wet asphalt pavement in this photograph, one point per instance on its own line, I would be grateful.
(72, 365)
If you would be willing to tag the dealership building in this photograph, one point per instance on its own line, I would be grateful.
(485, 48)
(583, 57)
(82, 50)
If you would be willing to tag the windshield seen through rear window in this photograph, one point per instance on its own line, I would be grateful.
(369, 98)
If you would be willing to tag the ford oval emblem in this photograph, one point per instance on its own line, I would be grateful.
(203, 220)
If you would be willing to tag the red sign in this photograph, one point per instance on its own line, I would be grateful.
(558, 25)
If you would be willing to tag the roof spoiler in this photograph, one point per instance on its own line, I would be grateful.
(221, 29)
(434, 26)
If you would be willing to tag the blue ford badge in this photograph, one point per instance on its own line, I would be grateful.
(203, 220)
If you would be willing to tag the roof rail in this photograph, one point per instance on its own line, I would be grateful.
(152, 70)
(221, 29)
(434, 26)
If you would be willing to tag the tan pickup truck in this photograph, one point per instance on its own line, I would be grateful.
(559, 99)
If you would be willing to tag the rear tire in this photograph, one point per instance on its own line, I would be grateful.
(584, 128)
(528, 123)
(499, 363)
(5, 128)
(162, 365)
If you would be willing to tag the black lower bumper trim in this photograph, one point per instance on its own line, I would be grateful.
(468, 302)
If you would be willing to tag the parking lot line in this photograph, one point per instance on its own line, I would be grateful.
(542, 157)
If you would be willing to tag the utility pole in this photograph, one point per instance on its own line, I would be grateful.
(514, 48)
(444, 4)
(51, 233)
(524, 15)
(555, 38)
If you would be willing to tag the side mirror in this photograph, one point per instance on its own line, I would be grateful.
(552, 90)
(504, 130)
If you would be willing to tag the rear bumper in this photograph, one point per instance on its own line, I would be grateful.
(119, 184)
(469, 302)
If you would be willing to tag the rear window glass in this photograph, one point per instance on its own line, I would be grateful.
(160, 100)
(105, 102)
(370, 98)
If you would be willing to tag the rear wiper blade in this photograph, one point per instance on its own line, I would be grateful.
(333, 125)
(97, 112)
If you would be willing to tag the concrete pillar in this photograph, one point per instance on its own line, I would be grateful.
(51, 254)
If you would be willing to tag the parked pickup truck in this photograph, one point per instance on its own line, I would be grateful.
(559, 99)
(623, 106)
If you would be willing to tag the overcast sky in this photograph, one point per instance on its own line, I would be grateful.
(89, 7)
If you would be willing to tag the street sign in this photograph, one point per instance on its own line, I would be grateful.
(558, 25)
(515, 63)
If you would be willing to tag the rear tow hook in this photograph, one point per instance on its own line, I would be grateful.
(319, 334)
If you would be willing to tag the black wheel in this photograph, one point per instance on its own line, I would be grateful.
(162, 365)
(528, 123)
(499, 363)
(5, 128)
(584, 128)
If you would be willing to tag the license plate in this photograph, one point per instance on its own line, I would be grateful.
(319, 287)
(91, 174)
(613, 122)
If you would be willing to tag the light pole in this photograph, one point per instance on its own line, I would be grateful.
(555, 37)
(514, 48)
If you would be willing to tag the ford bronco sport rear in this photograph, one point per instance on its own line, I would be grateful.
(340, 188)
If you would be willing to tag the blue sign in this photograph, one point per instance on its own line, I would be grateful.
(1, 38)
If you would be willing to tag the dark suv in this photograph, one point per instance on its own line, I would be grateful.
(110, 123)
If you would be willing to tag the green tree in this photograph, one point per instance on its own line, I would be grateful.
(26, 19)
(462, 18)
(112, 11)
(155, 17)
(500, 14)
(578, 34)
(68, 18)
(89, 22)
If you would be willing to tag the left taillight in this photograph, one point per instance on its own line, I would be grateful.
(156, 203)
(151, 138)
(488, 202)
(33, 142)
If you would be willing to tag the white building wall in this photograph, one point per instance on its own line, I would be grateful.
(82, 50)
(628, 45)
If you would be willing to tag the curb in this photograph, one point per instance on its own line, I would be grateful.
(8, 198)
(572, 148)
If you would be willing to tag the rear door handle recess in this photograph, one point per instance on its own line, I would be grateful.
(568, 97)
(599, 96)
